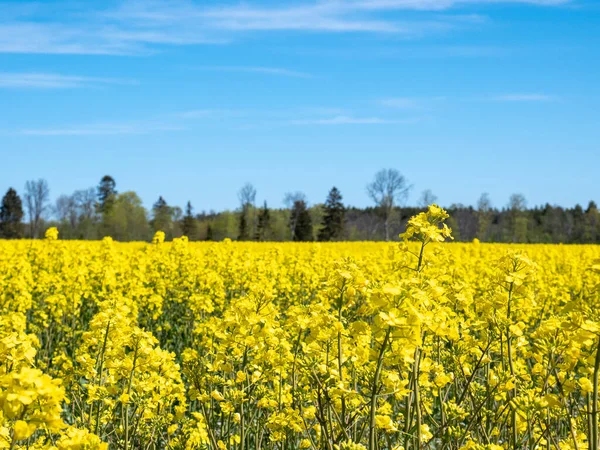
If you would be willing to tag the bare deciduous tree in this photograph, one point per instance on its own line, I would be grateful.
(292, 197)
(37, 194)
(247, 195)
(517, 205)
(517, 202)
(65, 210)
(388, 188)
(484, 215)
(484, 204)
(427, 198)
(85, 200)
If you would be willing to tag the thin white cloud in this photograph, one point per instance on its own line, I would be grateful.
(413, 103)
(53, 81)
(93, 38)
(108, 129)
(523, 98)
(210, 113)
(165, 122)
(429, 103)
(278, 71)
(441, 5)
(349, 120)
(144, 26)
(59, 38)
(405, 102)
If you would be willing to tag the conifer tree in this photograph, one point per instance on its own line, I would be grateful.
(189, 225)
(333, 221)
(162, 216)
(244, 232)
(264, 223)
(303, 231)
(11, 215)
(107, 194)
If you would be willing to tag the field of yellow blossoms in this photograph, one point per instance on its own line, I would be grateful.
(343, 346)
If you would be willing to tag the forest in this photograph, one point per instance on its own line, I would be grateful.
(96, 212)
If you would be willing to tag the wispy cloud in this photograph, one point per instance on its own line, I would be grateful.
(350, 120)
(403, 102)
(164, 122)
(92, 35)
(277, 71)
(53, 81)
(210, 113)
(144, 26)
(522, 98)
(414, 103)
(440, 5)
(433, 102)
(107, 129)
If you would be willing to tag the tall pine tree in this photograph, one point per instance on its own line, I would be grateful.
(11, 215)
(244, 229)
(162, 217)
(264, 224)
(107, 194)
(189, 225)
(333, 221)
(303, 230)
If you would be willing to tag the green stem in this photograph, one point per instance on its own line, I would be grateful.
(128, 393)
(104, 343)
(594, 442)
(417, 396)
(340, 354)
(512, 370)
(420, 263)
(374, 390)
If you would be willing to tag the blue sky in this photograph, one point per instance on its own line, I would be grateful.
(191, 99)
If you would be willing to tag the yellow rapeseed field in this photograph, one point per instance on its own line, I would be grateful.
(343, 346)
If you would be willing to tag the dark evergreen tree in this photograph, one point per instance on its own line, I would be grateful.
(162, 216)
(303, 231)
(160, 204)
(209, 233)
(333, 220)
(189, 225)
(264, 223)
(107, 194)
(592, 223)
(11, 215)
(244, 229)
(591, 206)
(578, 230)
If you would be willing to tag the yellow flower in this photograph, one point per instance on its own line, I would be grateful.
(305, 443)
(586, 385)
(22, 430)
(216, 395)
(52, 234)
(159, 237)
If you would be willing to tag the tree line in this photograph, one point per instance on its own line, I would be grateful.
(103, 211)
